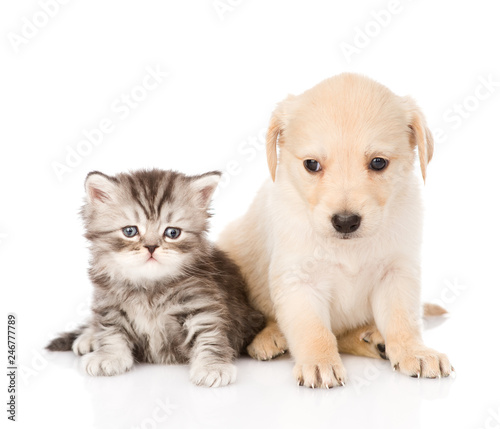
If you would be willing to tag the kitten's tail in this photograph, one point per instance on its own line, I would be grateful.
(64, 342)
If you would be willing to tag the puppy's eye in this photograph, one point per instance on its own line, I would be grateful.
(130, 231)
(378, 164)
(312, 165)
(172, 233)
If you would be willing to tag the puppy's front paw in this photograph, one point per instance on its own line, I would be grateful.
(326, 375)
(268, 344)
(100, 363)
(419, 361)
(214, 375)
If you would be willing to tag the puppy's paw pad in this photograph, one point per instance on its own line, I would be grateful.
(216, 375)
(324, 375)
(106, 364)
(268, 344)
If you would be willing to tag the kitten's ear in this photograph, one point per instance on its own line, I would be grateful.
(204, 186)
(99, 187)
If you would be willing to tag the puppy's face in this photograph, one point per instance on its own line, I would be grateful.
(346, 147)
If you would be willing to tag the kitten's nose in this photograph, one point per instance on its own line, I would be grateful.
(151, 248)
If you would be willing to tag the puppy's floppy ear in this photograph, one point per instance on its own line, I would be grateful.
(100, 188)
(420, 135)
(275, 135)
(205, 186)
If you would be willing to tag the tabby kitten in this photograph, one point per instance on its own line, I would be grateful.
(162, 292)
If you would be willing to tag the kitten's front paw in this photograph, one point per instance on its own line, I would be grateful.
(83, 344)
(325, 375)
(419, 361)
(102, 363)
(215, 375)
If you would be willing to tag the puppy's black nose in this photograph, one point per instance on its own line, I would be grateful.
(151, 248)
(346, 222)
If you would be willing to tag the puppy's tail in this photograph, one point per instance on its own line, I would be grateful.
(431, 310)
(64, 342)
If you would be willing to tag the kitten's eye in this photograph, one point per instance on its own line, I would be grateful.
(130, 231)
(378, 164)
(172, 233)
(312, 165)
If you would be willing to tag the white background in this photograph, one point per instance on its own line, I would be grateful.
(226, 71)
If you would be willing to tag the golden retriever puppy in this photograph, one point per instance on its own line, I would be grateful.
(330, 245)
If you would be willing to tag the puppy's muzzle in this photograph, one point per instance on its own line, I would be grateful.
(346, 223)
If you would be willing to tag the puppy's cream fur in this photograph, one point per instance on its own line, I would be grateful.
(320, 288)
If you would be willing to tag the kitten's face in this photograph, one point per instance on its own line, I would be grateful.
(147, 225)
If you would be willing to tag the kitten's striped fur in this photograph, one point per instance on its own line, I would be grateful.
(185, 302)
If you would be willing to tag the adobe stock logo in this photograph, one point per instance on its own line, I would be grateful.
(223, 7)
(364, 34)
(455, 116)
(121, 107)
(161, 412)
(493, 419)
(30, 27)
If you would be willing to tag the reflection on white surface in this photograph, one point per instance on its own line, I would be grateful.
(55, 389)
(264, 395)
